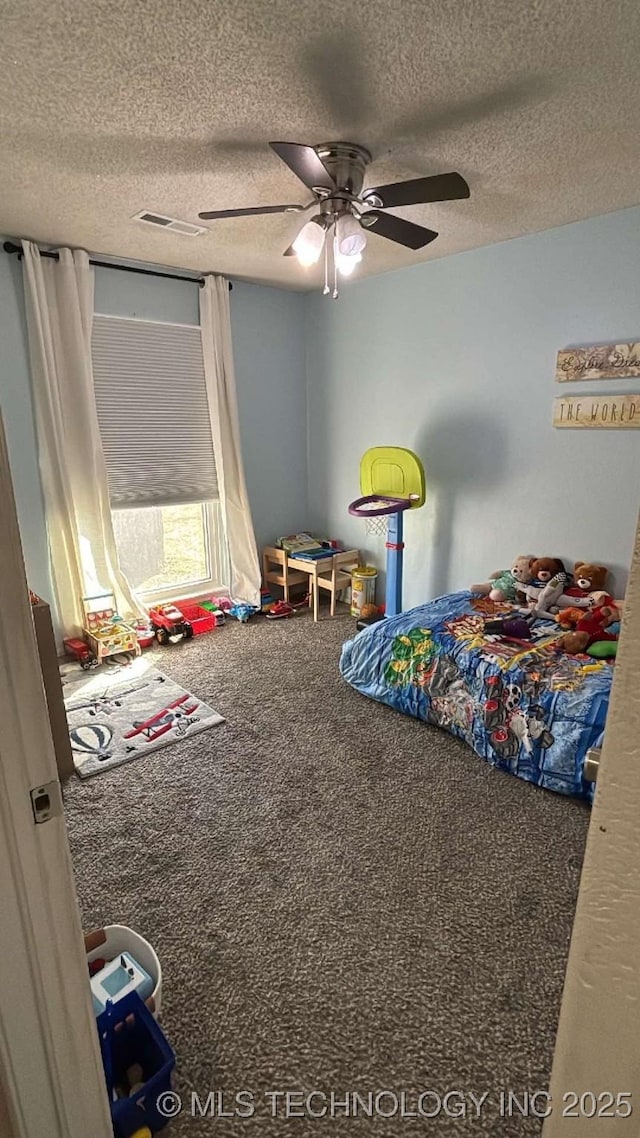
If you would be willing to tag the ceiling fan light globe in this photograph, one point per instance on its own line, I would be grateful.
(350, 237)
(309, 242)
(346, 265)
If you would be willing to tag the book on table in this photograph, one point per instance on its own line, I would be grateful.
(314, 554)
(304, 545)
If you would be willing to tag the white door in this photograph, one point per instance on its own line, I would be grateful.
(595, 1086)
(51, 1081)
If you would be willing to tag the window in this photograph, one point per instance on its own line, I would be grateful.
(171, 549)
(155, 426)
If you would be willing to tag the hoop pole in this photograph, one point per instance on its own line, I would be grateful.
(395, 546)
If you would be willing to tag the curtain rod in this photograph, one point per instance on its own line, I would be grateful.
(11, 248)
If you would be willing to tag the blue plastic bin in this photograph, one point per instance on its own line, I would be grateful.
(129, 1034)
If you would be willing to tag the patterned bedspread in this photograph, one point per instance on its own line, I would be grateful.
(522, 706)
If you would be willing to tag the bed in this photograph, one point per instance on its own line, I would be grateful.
(524, 706)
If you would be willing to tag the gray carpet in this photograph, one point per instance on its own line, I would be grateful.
(342, 899)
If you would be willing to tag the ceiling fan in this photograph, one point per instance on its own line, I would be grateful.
(334, 173)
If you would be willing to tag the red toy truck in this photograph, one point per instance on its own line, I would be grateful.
(79, 649)
(169, 624)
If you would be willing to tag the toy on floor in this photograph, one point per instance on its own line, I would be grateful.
(138, 1066)
(144, 632)
(391, 482)
(280, 610)
(224, 603)
(169, 624)
(371, 610)
(266, 601)
(106, 633)
(504, 583)
(286, 608)
(79, 650)
(116, 979)
(218, 613)
(243, 612)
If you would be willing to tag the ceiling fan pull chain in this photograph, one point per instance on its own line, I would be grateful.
(325, 291)
(334, 245)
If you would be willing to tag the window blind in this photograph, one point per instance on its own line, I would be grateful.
(153, 412)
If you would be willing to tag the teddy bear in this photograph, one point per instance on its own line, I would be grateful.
(549, 579)
(591, 628)
(502, 585)
(588, 581)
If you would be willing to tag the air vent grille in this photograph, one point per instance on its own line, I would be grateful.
(172, 223)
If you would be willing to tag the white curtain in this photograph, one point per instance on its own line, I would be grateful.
(215, 325)
(83, 556)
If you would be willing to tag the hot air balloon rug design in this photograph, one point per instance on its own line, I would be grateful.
(113, 719)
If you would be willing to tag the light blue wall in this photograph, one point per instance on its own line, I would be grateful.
(268, 339)
(267, 325)
(17, 414)
(455, 360)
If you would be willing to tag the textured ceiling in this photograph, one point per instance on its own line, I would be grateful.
(112, 106)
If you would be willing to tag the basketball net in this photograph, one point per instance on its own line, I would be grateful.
(375, 525)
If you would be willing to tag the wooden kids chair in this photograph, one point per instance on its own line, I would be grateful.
(334, 579)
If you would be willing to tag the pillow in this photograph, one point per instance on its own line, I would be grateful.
(603, 649)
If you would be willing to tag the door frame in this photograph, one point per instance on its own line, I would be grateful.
(51, 1075)
(598, 1042)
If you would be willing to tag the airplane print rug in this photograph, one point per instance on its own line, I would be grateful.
(116, 714)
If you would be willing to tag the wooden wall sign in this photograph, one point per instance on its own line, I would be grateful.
(605, 361)
(614, 412)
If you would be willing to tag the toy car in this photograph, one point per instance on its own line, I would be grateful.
(169, 624)
(78, 648)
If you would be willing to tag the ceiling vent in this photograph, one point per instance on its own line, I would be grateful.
(172, 223)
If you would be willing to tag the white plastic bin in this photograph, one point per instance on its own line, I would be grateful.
(120, 938)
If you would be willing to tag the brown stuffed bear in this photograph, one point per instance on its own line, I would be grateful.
(544, 570)
(588, 581)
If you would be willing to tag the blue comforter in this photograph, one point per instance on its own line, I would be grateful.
(523, 706)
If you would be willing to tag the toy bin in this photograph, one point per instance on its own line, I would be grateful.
(363, 588)
(131, 1041)
(119, 938)
(201, 620)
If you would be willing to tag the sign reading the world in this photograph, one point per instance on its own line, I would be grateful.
(615, 411)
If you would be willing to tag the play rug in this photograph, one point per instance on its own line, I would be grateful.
(120, 713)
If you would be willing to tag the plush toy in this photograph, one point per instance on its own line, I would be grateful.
(568, 618)
(511, 628)
(582, 592)
(503, 584)
(549, 579)
(590, 629)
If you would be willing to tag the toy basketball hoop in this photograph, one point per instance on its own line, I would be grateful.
(391, 482)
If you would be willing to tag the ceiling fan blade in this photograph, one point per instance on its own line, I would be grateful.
(251, 211)
(418, 191)
(397, 229)
(305, 164)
